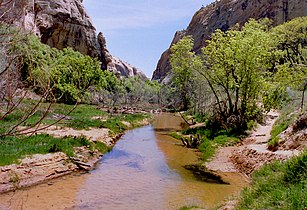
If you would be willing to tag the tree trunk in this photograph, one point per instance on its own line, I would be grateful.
(303, 97)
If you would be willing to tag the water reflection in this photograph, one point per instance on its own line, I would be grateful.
(133, 175)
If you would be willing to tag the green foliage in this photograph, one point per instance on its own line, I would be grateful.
(274, 97)
(81, 117)
(12, 149)
(74, 74)
(236, 62)
(291, 37)
(184, 62)
(39, 59)
(67, 74)
(278, 186)
(251, 125)
(207, 148)
(133, 118)
(243, 68)
(224, 140)
(101, 147)
(82, 111)
(188, 207)
(211, 139)
(199, 131)
(115, 125)
(296, 169)
(273, 143)
(198, 117)
(137, 90)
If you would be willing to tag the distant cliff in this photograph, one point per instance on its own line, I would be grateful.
(224, 14)
(65, 23)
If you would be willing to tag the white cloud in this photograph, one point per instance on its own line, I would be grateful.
(112, 16)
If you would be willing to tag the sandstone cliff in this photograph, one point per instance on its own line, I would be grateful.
(65, 23)
(224, 14)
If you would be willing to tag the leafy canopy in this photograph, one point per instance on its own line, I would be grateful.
(67, 74)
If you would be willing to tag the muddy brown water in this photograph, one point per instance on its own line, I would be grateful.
(143, 171)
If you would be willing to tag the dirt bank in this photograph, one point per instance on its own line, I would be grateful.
(251, 153)
(40, 168)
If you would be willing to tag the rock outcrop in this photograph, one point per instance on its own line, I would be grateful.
(114, 64)
(65, 23)
(224, 14)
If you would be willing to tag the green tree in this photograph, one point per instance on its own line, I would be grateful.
(134, 89)
(291, 68)
(184, 62)
(67, 74)
(152, 92)
(114, 87)
(74, 74)
(235, 67)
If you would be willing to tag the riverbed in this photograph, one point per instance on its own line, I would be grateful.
(144, 170)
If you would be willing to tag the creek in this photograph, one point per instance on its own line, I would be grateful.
(144, 170)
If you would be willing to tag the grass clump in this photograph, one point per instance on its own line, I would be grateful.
(81, 117)
(115, 123)
(281, 124)
(211, 140)
(207, 148)
(278, 186)
(175, 135)
(12, 149)
(188, 207)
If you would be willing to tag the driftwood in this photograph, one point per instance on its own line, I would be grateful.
(191, 142)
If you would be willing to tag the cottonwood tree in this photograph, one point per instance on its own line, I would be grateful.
(235, 66)
(184, 62)
(138, 90)
(291, 69)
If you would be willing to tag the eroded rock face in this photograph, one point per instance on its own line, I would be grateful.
(295, 136)
(224, 14)
(65, 23)
(114, 64)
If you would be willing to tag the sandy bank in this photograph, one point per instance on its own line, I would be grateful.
(36, 169)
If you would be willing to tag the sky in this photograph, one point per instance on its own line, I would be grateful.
(139, 31)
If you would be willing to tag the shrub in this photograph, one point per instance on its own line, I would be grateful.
(67, 73)
(278, 185)
(296, 169)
